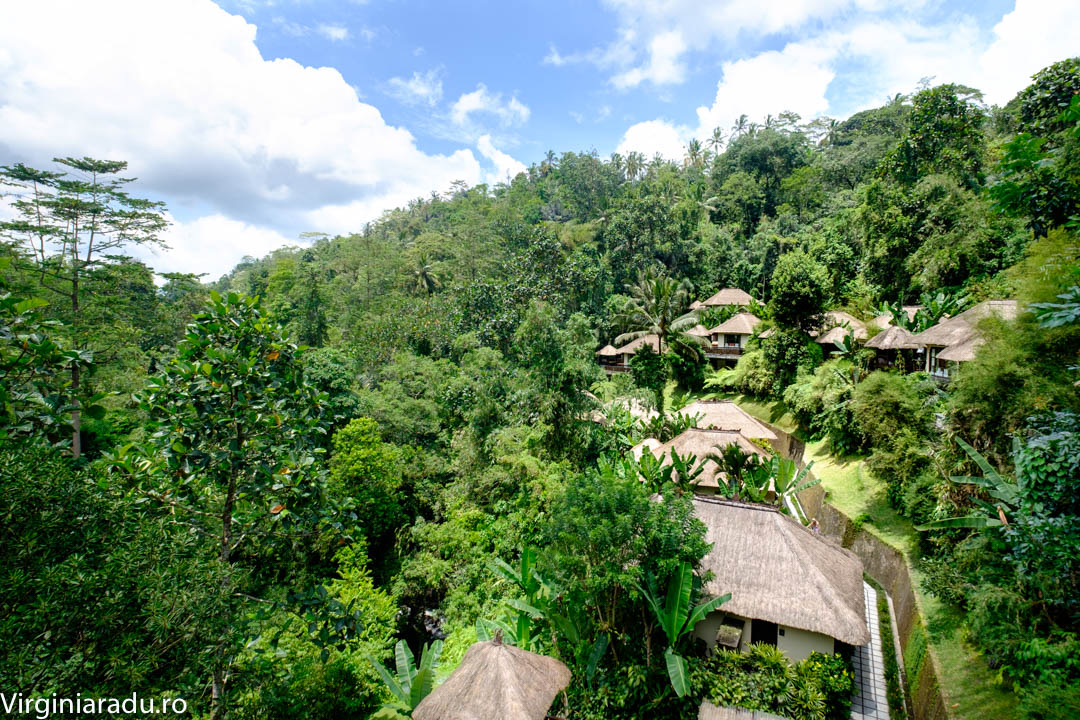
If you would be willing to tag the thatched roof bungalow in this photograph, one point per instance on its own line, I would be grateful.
(890, 345)
(789, 586)
(960, 330)
(728, 340)
(726, 297)
(726, 415)
(700, 443)
(496, 682)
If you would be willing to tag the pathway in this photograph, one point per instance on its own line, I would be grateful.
(870, 702)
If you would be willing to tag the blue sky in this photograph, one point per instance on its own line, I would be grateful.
(256, 120)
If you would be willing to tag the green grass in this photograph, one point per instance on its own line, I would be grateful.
(971, 688)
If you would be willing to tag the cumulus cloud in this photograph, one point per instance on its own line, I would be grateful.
(182, 92)
(195, 247)
(421, 89)
(506, 167)
(654, 137)
(481, 101)
(1035, 34)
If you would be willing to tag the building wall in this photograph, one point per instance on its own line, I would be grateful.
(796, 644)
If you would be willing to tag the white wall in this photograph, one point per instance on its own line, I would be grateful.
(796, 644)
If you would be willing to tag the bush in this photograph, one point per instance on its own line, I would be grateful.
(786, 353)
(818, 688)
(752, 374)
(821, 402)
(1050, 702)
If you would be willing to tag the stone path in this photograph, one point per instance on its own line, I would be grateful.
(870, 702)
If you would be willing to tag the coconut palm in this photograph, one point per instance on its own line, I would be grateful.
(715, 141)
(635, 163)
(693, 153)
(658, 305)
(740, 126)
(424, 277)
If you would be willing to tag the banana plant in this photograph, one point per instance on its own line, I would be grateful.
(411, 683)
(1004, 491)
(685, 471)
(789, 481)
(677, 616)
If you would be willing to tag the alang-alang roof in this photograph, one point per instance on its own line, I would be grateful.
(778, 571)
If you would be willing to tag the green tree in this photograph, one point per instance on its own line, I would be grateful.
(659, 305)
(67, 226)
(800, 289)
(235, 434)
(365, 472)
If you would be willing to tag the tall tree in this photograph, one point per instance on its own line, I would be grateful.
(70, 223)
(659, 305)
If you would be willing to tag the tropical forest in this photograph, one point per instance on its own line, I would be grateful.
(457, 463)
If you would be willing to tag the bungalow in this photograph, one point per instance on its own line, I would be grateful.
(700, 443)
(955, 339)
(618, 359)
(890, 345)
(726, 415)
(726, 297)
(789, 587)
(728, 339)
(836, 326)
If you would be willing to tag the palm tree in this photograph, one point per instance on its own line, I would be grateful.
(635, 163)
(740, 126)
(618, 164)
(693, 153)
(424, 277)
(658, 305)
(716, 140)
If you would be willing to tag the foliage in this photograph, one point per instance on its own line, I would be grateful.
(819, 687)
(799, 290)
(412, 683)
(677, 616)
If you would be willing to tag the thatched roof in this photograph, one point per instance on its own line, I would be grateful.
(885, 320)
(649, 444)
(702, 442)
(836, 334)
(956, 330)
(729, 296)
(893, 338)
(696, 305)
(962, 351)
(496, 682)
(738, 324)
(839, 317)
(726, 415)
(708, 711)
(767, 333)
(699, 330)
(778, 571)
(632, 347)
(607, 351)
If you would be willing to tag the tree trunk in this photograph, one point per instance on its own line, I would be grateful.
(76, 415)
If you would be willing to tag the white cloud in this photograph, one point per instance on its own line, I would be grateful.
(506, 167)
(206, 122)
(652, 137)
(481, 101)
(196, 246)
(793, 79)
(334, 33)
(422, 88)
(1035, 34)
(664, 66)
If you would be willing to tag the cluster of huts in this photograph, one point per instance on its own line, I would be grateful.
(935, 350)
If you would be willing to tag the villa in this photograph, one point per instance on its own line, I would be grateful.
(727, 297)
(727, 341)
(955, 339)
(789, 586)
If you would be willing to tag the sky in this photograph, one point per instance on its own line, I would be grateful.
(258, 120)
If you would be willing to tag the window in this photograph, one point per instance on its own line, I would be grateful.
(731, 341)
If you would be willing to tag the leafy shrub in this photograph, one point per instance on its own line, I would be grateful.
(818, 688)
(1050, 702)
(822, 404)
(752, 374)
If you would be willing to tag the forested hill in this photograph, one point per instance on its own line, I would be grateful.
(253, 494)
